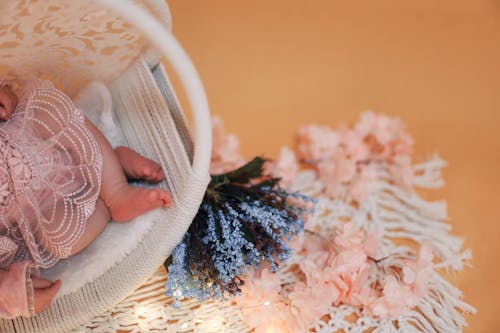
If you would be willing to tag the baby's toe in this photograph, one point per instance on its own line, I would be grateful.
(158, 174)
(160, 196)
(152, 172)
(165, 198)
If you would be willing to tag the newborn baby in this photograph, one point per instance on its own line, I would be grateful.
(60, 182)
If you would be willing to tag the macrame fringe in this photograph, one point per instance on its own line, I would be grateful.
(404, 215)
(399, 214)
(441, 310)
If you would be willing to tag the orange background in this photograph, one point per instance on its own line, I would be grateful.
(271, 65)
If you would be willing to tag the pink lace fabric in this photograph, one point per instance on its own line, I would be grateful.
(50, 176)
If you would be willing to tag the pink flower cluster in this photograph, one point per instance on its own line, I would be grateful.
(285, 166)
(261, 303)
(345, 269)
(345, 158)
(226, 154)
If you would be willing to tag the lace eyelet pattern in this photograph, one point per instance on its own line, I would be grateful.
(50, 175)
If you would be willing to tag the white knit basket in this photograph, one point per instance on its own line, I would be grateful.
(121, 44)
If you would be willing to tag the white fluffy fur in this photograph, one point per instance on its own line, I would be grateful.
(116, 242)
(96, 103)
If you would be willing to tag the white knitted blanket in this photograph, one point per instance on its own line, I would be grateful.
(396, 213)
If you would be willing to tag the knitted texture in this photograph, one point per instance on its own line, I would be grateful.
(396, 214)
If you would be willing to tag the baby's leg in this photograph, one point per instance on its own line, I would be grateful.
(124, 202)
(95, 225)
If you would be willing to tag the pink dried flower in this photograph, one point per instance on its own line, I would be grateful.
(371, 244)
(316, 271)
(402, 170)
(353, 144)
(326, 172)
(340, 271)
(310, 303)
(383, 128)
(356, 281)
(418, 273)
(345, 159)
(385, 136)
(366, 295)
(363, 185)
(319, 257)
(344, 167)
(225, 149)
(316, 143)
(403, 145)
(336, 173)
(285, 166)
(349, 236)
(260, 301)
(312, 247)
(297, 242)
(262, 286)
(397, 297)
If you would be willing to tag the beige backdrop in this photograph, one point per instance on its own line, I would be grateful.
(271, 65)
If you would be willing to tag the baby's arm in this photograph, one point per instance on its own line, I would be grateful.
(44, 291)
(8, 102)
(22, 294)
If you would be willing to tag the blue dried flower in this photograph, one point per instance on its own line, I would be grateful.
(241, 223)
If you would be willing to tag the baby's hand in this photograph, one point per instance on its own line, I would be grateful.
(44, 292)
(8, 102)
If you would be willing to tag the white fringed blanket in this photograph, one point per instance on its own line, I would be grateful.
(398, 215)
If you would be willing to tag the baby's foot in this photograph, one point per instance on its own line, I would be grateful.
(134, 201)
(136, 166)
